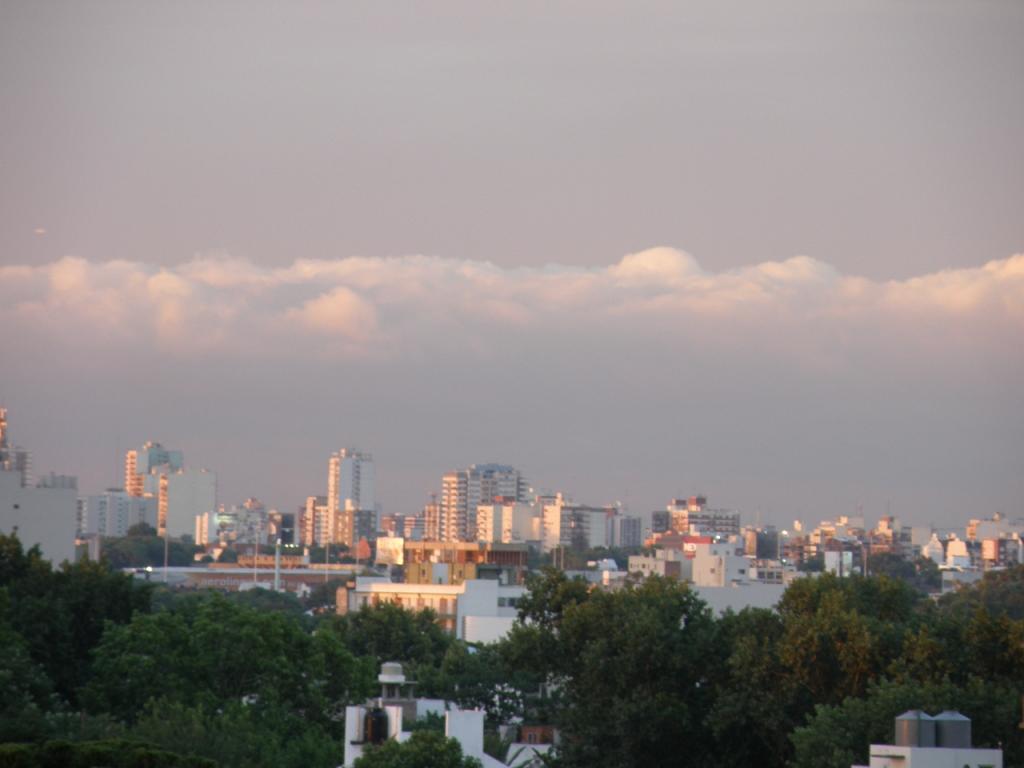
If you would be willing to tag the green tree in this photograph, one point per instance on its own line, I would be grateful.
(388, 632)
(999, 592)
(757, 702)
(636, 667)
(424, 749)
(26, 694)
(61, 614)
(209, 651)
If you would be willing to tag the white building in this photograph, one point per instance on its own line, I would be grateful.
(181, 494)
(387, 714)
(41, 515)
(114, 511)
(922, 741)
(507, 523)
(351, 488)
(463, 491)
(45, 513)
(720, 564)
(478, 610)
(578, 526)
(957, 554)
(934, 550)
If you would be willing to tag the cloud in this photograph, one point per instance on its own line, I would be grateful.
(339, 312)
(391, 306)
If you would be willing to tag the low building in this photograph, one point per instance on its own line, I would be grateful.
(664, 562)
(467, 560)
(383, 718)
(922, 741)
(462, 609)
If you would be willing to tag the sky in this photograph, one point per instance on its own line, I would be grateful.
(767, 252)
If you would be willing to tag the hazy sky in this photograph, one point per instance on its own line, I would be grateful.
(764, 251)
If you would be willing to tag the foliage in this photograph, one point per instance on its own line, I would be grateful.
(633, 665)
(629, 676)
(26, 694)
(88, 754)
(387, 632)
(209, 650)
(921, 573)
(259, 735)
(432, 721)
(999, 592)
(140, 551)
(424, 749)
(61, 614)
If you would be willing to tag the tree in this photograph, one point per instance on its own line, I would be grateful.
(61, 614)
(424, 749)
(388, 632)
(208, 651)
(140, 550)
(141, 529)
(999, 592)
(757, 702)
(636, 667)
(26, 694)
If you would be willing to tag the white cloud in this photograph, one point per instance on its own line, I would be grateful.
(392, 305)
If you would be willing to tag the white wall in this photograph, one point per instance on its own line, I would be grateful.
(189, 493)
(43, 516)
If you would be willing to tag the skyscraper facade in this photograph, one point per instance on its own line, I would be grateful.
(181, 494)
(351, 495)
(464, 490)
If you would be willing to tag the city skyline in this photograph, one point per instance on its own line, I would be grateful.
(447, 483)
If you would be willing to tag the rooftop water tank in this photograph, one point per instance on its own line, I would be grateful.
(915, 729)
(952, 730)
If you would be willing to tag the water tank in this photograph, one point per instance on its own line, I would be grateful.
(915, 729)
(375, 726)
(952, 730)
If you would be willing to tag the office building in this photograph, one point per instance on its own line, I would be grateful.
(182, 494)
(44, 513)
(113, 512)
(351, 496)
(576, 526)
(464, 490)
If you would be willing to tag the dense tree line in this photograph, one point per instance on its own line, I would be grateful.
(645, 675)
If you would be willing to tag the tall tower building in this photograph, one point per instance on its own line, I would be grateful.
(464, 490)
(181, 494)
(13, 458)
(351, 490)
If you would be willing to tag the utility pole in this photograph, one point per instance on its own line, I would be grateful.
(277, 566)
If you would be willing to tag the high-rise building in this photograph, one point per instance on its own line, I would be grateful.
(626, 531)
(692, 515)
(351, 494)
(182, 494)
(508, 522)
(432, 522)
(464, 490)
(315, 522)
(13, 458)
(566, 524)
(113, 512)
(44, 513)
